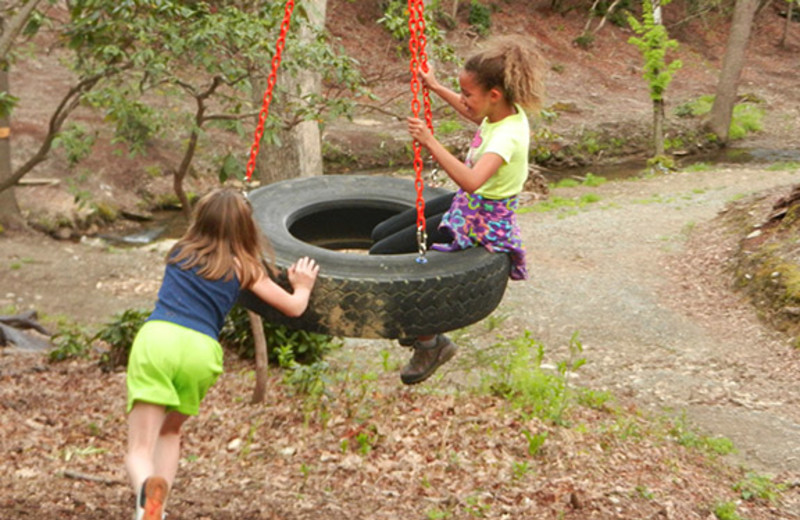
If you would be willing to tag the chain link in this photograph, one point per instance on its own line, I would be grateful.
(419, 62)
(273, 77)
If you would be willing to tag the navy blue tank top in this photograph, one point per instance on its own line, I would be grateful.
(188, 299)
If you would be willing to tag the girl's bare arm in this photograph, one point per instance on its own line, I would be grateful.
(450, 96)
(468, 179)
(302, 276)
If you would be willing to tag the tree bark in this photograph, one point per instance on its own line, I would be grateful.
(658, 126)
(10, 216)
(719, 121)
(299, 153)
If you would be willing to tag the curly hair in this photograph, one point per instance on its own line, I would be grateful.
(514, 65)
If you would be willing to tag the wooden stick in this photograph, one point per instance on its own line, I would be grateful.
(92, 478)
(262, 364)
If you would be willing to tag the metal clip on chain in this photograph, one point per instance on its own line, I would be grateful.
(433, 176)
(422, 247)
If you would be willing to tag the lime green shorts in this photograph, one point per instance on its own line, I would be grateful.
(173, 366)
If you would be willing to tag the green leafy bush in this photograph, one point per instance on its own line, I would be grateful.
(119, 334)
(530, 387)
(305, 347)
(480, 17)
(70, 342)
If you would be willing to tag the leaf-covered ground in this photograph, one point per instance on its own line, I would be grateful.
(371, 449)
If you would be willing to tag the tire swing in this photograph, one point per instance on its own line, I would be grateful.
(330, 219)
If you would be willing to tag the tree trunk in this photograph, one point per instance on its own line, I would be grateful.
(299, 153)
(10, 216)
(789, 15)
(658, 126)
(719, 121)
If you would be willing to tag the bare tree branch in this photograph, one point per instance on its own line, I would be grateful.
(68, 104)
(15, 26)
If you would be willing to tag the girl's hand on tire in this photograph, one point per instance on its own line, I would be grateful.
(303, 273)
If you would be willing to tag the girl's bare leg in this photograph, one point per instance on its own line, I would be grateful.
(144, 424)
(168, 447)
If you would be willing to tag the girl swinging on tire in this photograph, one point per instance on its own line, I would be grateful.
(497, 85)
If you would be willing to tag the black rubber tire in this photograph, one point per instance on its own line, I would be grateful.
(370, 296)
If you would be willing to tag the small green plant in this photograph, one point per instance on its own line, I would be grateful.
(726, 511)
(476, 507)
(7, 103)
(529, 387)
(311, 380)
(747, 118)
(520, 469)
(449, 127)
(71, 342)
(584, 41)
(645, 493)
(119, 334)
(76, 141)
(437, 514)
(395, 20)
(593, 180)
(747, 115)
(480, 17)
(755, 486)
(684, 436)
(366, 439)
(535, 441)
(695, 107)
(595, 399)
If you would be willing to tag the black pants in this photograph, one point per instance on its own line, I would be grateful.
(398, 234)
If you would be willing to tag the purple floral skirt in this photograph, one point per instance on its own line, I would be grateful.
(473, 220)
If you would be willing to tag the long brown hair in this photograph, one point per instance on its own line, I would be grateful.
(512, 64)
(223, 239)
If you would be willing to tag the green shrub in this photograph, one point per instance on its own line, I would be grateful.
(480, 17)
(118, 335)
(70, 342)
(305, 347)
(531, 388)
(746, 119)
(755, 486)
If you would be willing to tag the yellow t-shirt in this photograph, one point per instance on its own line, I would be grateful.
(510, 139)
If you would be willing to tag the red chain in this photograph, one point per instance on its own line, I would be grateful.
(419, 61)
(273, 76)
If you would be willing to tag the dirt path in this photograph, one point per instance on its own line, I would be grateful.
(655, 313)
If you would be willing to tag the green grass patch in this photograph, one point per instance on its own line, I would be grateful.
(747, 116)
(698, 167)
(784, 166)
(561, 203)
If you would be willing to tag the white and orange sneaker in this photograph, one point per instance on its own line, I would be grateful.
(151, 499)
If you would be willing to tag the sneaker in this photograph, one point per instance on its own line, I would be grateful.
(426, 360)
(150, 502)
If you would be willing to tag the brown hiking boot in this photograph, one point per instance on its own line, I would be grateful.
(426, 360)
(150, 502)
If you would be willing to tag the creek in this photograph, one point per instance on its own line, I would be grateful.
(171, 223)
